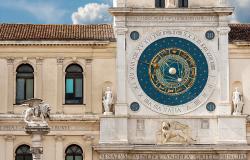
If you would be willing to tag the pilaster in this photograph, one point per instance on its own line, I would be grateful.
(2, 148)
(121, 104)
(224, 69)
(39, 80)
(9, 146)
(88, 86)
(11, 72)
(60, 79)
(88, 139)
(59, 146)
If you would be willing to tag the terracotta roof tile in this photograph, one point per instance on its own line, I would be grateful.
(239, 32)
(100, 32)
(36, 32)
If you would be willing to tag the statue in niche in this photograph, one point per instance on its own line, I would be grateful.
(37, 113)
(237, 102)
(171, 4)
(107, 101)
(175, 132)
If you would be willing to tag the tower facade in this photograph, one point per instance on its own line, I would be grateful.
(173, 97)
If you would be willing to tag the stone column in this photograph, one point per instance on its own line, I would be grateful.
(88, 146)
(9, 147)
(223, 31)
(59, 146)
(37, 133)
(39, 80)
(60, 79)
(121, 104)
(88, 86)
(11, 72)
(2, 147)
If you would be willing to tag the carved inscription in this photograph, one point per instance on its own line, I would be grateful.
(125, 156)
(53, 128)
(172, 18)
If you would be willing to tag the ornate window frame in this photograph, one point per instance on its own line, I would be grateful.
(16, 65)
(65, 65)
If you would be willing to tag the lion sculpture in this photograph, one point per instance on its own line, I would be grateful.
(37, 113)
(175, 132)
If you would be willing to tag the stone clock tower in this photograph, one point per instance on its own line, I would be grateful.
(173, 98)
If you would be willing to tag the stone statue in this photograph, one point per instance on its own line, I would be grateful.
(171, 4)
(37, 113)
(175, 132)
(237, 102)
(107, 101)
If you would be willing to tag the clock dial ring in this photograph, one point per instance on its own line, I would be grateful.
(192, 57)
(172, 71)
(152, 104)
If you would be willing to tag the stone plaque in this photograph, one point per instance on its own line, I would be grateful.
(161, 156)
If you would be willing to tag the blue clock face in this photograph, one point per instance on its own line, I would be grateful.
(172, 71)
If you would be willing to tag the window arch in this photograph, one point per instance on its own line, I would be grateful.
(23, 153)
(160, 3)
(74, 152)
(74, 84)
(24, 83)
(183, 3)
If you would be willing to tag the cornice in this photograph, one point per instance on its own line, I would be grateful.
(54, 43)
(129, 11)
(53, 117)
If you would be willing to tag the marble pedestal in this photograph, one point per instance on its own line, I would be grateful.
(37, 132)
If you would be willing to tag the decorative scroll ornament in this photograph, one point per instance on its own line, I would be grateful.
(37, 113)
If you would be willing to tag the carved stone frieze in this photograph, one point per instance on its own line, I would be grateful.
(176, 156)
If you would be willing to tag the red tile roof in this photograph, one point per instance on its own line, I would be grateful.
(36, 32)
(100, 32)
(239, 32)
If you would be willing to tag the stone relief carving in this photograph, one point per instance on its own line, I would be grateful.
(175, 132)
(107, 101)
(237, 102)
(37, 113)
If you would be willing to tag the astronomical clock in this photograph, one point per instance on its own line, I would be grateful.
(172, 73)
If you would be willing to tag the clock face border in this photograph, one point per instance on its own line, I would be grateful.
(167, 109)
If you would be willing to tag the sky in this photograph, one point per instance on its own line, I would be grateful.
(80, 11)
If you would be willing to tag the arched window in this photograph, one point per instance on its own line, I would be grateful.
(183, 3)
(74, 152)
(24, 83)
(74, 84)
(159, 3)
(23, 153)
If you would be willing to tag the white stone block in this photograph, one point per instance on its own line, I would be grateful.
(232, 130)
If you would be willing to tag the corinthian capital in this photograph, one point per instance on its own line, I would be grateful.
(60, 60)
(10, 61)
(121, 30)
